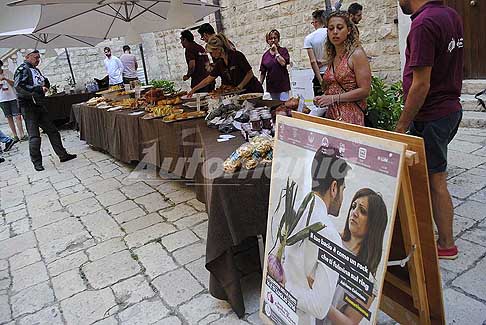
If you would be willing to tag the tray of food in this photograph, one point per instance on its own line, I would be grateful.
(161, 111)
(183, 116)
(225, 90)
(250, 96)
(128, 103)
(95, 100)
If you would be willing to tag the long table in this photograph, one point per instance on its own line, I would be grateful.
(237, 204)
(59, 105)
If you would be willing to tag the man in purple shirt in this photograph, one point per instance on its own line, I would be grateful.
(432, 81)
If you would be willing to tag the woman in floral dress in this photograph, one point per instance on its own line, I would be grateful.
(347, 80)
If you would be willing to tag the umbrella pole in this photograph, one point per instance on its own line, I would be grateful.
(70, 67)
(143, 64)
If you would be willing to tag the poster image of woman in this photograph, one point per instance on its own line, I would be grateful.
(362, 235)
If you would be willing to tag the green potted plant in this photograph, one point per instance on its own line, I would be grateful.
(385, 104)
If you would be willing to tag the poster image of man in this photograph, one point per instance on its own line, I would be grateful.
(329, 226)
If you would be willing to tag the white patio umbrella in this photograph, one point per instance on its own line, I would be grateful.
(115, 18)
(47, 41)
(19, 19)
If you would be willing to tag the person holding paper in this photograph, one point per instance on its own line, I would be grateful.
(308, 279)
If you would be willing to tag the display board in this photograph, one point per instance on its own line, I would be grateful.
(333, 198)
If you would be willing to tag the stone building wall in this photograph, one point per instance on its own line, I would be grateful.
(246, 26)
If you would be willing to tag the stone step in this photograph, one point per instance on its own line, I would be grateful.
(473, 86)
(469, 103)
(473, 119)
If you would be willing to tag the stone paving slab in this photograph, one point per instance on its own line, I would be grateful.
(90, 242)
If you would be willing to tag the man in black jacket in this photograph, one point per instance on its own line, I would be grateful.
(31, 87)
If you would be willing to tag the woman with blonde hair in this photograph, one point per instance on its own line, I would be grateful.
(230, 65)
(347, 81)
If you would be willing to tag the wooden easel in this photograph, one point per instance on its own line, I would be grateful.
(411, 294)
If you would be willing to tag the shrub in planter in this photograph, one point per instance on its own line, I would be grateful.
(385, 104)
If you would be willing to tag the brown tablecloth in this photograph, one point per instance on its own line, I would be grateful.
(237, 204)
(59, 106)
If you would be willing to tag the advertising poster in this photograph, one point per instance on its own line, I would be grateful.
(333, 199)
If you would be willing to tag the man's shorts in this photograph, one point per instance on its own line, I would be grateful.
(437, 135)
(10, 108)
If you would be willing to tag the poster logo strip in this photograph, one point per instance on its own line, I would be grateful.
(382, 161)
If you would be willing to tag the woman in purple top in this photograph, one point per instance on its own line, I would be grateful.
(274, 67)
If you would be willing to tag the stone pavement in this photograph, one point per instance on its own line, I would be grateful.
(89, 241)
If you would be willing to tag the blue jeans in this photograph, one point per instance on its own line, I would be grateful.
(4, 138)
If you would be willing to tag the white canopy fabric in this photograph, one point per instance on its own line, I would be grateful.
(46, 41)
(115, 18)
(20, 20)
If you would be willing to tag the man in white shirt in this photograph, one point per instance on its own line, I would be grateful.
(314, 44)
(114, 68)
(9, 105)
(310, 281)
(130, 65)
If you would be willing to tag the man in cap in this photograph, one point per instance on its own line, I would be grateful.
(31, 87)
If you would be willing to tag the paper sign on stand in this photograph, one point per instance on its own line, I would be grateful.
(301, 85)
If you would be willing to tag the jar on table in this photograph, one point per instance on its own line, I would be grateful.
(256, 122)
(267, 121)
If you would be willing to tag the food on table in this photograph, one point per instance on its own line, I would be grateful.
(292, 103)
(163, 110)
(245, 150)
(193, 97)
(250, 96)
(126, 103)
(115, 88)
(171, 101)
(250, 154)
(112, 89)
(184, 116)
(224, 89)
(154, 95)
(102, 105)
(95, 100)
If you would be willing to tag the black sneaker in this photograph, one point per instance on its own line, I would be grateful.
(39, 168)
(9, 145)
(68, 157)
(2, 160)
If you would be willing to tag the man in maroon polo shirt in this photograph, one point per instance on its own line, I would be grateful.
(197, 60)
(432, 81)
